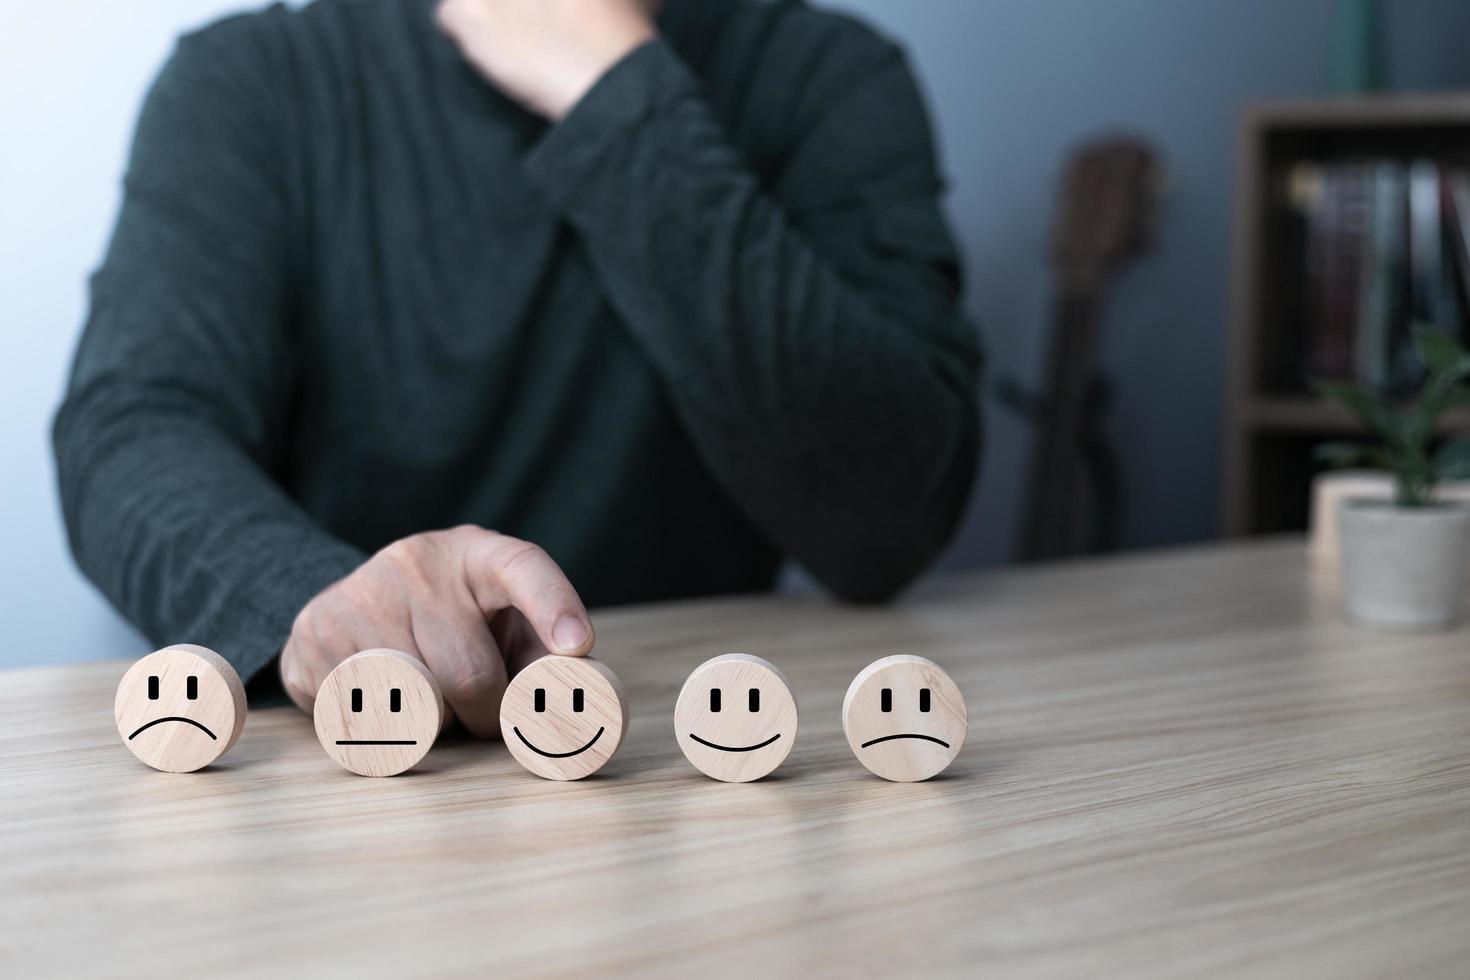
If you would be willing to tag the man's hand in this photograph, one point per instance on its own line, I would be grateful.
(468, 602)
(546, 54)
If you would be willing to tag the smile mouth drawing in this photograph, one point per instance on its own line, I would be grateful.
(558, 755)
(742, 748)
(160, 721)
(889, 738)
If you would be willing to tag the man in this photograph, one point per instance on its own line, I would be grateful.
(660, 292)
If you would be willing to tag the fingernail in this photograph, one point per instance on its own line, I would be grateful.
(569, 634)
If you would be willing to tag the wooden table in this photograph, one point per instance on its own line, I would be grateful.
(1183, 763)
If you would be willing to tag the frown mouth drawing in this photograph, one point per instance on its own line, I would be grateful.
(558, 755)
(741, 748)
(889, 738)
(160, 721)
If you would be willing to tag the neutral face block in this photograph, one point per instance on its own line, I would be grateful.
(378, 713)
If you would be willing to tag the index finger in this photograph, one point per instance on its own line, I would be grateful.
(507, 572)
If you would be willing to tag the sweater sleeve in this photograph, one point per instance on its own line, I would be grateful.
(809, 334)
(172, 421)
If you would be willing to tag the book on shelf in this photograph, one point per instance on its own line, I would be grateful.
(1456, 188)
(1380, 245)
(1382, 273)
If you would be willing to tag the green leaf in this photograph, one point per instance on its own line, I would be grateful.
(1419, 422)
(1368, 405)
(1440, 352)
(1445, 399)
(1452, 462)
(1443, 391)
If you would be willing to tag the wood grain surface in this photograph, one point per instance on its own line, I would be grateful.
(564, 717)
(736, 718)
(1181, 764)
(378, 712)
(180, 708)
(905, 718)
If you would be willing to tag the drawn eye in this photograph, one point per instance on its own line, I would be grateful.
(540, 699)
(714, 699)
(924, 699)
(191, 688)
(885, 699)
(755, 699)
(577, 701)
(152, 687)
(395, 700)
(357, 699)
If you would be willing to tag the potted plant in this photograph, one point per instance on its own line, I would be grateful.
(1404, 561)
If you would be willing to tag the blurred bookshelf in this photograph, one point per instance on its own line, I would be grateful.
(1352, 221)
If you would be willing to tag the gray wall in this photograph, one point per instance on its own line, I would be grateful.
(1013, 84)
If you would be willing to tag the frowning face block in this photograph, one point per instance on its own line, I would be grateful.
(378, 712)
(180, 708)
(904, 718)
(564, 717)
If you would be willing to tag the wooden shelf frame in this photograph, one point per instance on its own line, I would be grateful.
(1304, 414)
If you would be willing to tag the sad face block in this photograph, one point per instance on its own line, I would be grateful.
(904, 718)
(180, 708)
(736, 718)
(378, 713)
(564, 717)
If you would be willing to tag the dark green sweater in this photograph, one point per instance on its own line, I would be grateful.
(707, 321)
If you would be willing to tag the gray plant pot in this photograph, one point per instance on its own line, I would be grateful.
(1403, 567)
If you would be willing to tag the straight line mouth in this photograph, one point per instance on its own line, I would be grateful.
(558, 755)
(741, 748)
(889, 738)
(377, 741)
(160, 721)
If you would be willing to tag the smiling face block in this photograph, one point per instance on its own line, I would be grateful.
(564, 717)
(378, 712)
(180, 708)
(904, 718)
(736, 718)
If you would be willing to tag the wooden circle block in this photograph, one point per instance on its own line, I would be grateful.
(180, 708)
(379, 712)
(905, 718)
(564, 717)
(736, 718)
